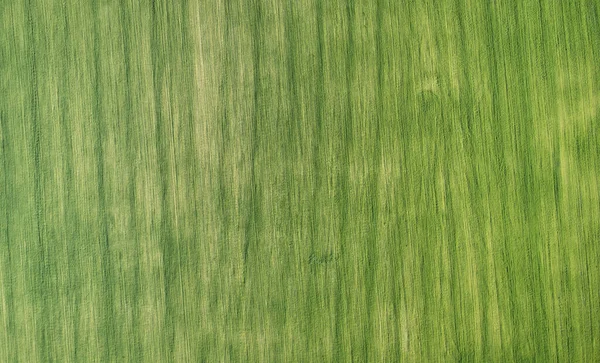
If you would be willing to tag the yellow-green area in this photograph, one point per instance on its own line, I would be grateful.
(299, 181)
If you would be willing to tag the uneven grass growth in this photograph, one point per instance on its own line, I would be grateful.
(299, 181)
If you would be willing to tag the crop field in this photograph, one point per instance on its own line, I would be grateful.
(299, 181)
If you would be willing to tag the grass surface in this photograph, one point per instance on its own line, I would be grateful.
(299, 181)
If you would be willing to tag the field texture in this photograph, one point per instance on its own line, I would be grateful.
(299, 181)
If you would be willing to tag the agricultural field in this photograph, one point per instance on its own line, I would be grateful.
(299, 181)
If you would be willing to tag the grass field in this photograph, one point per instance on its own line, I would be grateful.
(299, 181)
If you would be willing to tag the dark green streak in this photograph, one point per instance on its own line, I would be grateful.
(130, 129)
(319, 96)
(167, 239)
(252, 222)
(225, 94)
(344, 199)
(372, 241)
(7, 204)
(70, 214)
(42, 271)
(109, 330)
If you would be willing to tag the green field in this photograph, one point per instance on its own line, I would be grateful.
(299, 181)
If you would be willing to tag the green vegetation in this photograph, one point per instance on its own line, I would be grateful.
(299, 181)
